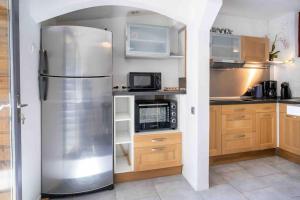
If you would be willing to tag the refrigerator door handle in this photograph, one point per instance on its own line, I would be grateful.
(43, 62)
(43, 86)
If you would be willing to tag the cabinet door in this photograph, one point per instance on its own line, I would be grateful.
(215, 141)
(237, 142)
(266, 130)
(149, 158)
(147, 41)
(225, 48)
(255, 49)
(290, 133)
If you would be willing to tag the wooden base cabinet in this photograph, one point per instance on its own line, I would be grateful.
(156, 151)
(289, 133)
(215, 139)
(242, 128)
(266, 130)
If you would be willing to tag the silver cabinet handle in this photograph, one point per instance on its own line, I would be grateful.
(158, 149)
(240, 136)
(158, 139)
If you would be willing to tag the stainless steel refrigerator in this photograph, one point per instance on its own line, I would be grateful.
(76, 103)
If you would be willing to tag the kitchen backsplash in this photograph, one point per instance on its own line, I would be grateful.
(235, 82)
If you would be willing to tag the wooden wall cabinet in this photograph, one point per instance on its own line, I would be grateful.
(289, 132)
(157, 151)
(254, 49)
(215, 139)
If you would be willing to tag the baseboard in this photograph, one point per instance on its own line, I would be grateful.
(288, 155)
(134, 176)
(230, 158)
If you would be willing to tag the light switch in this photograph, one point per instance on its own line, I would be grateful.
(192, 110)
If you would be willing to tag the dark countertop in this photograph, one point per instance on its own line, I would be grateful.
(234, 101)
(147, 93)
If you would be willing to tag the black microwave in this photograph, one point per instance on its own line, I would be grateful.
(155, 114)
(144, 81)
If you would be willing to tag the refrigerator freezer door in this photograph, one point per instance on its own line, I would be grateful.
(76, 51)
(77, 136)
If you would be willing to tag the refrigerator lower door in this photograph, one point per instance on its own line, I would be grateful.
(77, 136)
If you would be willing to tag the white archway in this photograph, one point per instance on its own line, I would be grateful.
(198, 15)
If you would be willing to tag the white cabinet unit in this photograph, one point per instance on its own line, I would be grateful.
(123, 133)
(225, 48)
(147, 41)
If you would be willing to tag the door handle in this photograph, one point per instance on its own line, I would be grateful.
(43, 87)
(21, 105)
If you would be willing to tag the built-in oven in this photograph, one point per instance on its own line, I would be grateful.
(144, 81)
(155, 114)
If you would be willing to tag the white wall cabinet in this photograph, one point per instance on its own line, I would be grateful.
(147, 41)
(225, 48)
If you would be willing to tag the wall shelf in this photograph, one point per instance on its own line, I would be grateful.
(122, 117)
(123, 133)
(123, 138)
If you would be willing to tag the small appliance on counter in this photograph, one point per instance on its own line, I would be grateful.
(155, 114)
(286, 92)
(258, 91)
(144, 81)
(269, 89)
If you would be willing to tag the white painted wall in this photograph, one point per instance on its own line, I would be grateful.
(242, 25)
(122, 66)
(286, 27)
(31, 137)
(198, 15)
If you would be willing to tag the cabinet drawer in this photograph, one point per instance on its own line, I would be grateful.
(231, 109)
(265, 108)
(157, 157)
(239, 122)
(152, 140)
(238, 142)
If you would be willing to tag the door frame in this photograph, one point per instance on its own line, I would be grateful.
(14, 64)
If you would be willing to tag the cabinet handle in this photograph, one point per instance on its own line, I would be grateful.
(158, 139)
(291, 116)
(237, 118)
(240, 136)
(158, 149)
(240, 109)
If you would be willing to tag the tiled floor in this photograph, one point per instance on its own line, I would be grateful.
(271, 178)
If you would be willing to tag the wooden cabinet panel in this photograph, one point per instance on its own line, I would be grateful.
(266, 130)
(254, 49)
(157, 150)
(238, 142)
(238, 128)
(290, 133)
(265, 107)
(238, 122)
(282, 108)
(151, 140)
(215, 131)
(231, 109)
(157, 157)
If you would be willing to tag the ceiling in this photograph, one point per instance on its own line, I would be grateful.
(102, 12)
(259, 9)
